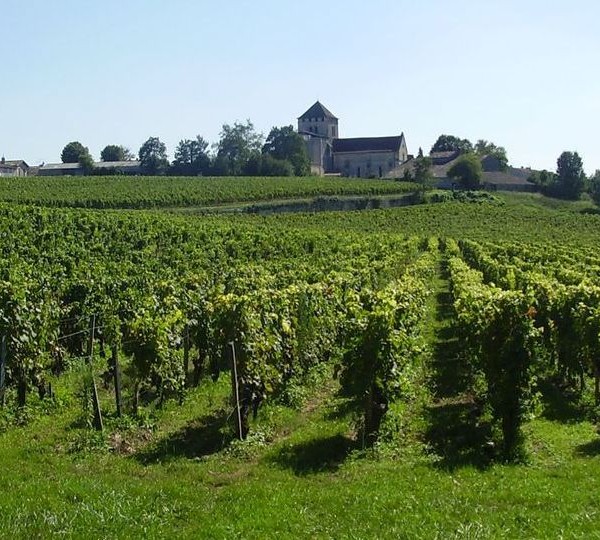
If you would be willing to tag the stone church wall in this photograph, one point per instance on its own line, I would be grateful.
(366, 164)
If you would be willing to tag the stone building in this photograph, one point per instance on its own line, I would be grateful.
(366, 157)
(13, 167)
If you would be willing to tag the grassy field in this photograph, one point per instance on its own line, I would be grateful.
(176, 471)
(160, 192)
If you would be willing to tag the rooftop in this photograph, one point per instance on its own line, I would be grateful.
(318, 110)
(368, 144)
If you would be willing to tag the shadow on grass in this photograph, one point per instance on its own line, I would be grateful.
(343, 408)
(560, 405)
(316, 456)
(202, 437)
(590, 449)
(455, 432)
(458, 438)
(452, 373)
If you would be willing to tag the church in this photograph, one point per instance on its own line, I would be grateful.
(364, 157)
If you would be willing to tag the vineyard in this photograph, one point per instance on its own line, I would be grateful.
(161, 192)
(420, 348)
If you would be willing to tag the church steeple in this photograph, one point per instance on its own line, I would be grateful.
(319, 121)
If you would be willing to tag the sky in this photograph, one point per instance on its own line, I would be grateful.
(524, 74)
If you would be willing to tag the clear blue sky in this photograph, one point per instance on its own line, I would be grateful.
(522, 73)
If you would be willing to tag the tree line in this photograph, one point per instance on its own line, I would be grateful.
(240, 151)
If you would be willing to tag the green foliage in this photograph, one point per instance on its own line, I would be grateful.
(450, 143)
(594, 184)
(485, 148)
(238, 144)
(74, 152)
(191, 158)
(268, 166)
(87, 163)
(422, 170)
(157, 192)
(543, 179)
(570, 176)
(153, 157)
(286, 144)
(384, 345)
(114, 152)
(467, 171)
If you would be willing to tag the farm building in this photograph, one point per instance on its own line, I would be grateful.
(13, 167)
(75, 169)
(366, 157)
(495, 177)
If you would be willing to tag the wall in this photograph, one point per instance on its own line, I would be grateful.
(319, 153)
(12, 171)
(369, 163)
(322, 126)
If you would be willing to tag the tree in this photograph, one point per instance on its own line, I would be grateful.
(114, 152)
(594, 184)
(237, 145)
(544, 179)
(571, 179)
(485, 148)
(467, 171)
(422, 170)
(153, 157)
(87, 163)
(423, 177)
(191, 157)
(73, 152)
(450, 143)
(286, 144)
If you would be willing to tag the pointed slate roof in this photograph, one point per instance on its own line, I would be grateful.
(318, 110)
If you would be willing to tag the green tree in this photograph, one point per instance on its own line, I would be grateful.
(594, 184)
(87, 163)
(237, 145)
(450, 143)
(286, 144)
(422, 170)
(467, 171)
(571, 179)
(114, 152)
(486, 148)
(543, 179)
(153, 157)
(191, 157)
(73, 152)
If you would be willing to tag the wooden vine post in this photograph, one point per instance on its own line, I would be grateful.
(117, 379)
(236, 392)
(3, 355)
(95, 400)
(186, 354)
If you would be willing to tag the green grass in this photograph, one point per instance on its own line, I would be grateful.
(307, 478)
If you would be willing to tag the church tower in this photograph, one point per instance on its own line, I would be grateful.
(319, 128)
(319, 121)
